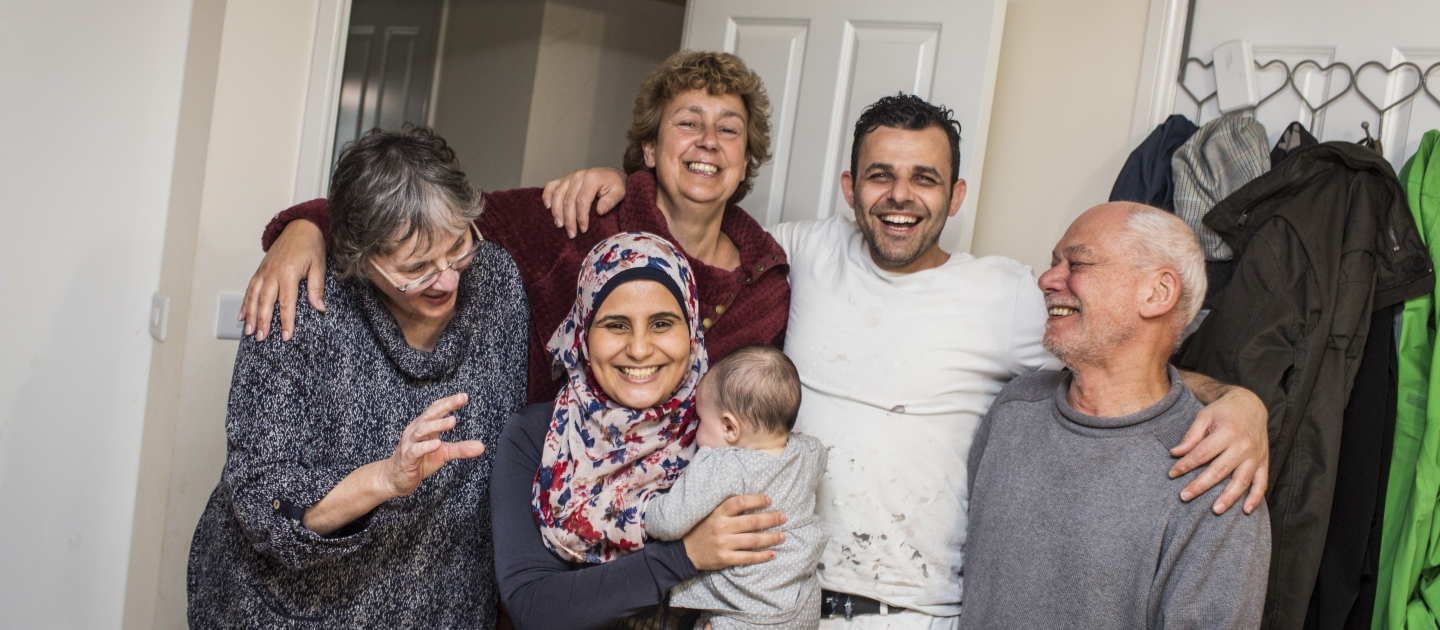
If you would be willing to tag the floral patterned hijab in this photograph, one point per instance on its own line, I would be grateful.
(601, 461)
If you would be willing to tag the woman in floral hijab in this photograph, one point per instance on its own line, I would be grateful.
(572, 477)
(602, 460)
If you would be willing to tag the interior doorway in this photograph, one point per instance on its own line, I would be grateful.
(390, 61)
(523, 90)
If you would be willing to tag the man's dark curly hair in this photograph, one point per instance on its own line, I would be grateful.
(912, 113)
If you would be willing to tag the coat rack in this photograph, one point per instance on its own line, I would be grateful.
(1352, 73)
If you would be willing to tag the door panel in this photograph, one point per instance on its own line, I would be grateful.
(775, 50)
(402, 94)
(389, 67)
(822, 63)
(878, 59)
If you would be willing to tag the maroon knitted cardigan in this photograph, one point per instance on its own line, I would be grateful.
(740, 307)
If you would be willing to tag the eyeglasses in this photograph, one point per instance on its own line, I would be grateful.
(424, 282)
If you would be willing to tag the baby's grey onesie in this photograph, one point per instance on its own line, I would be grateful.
(783, 593)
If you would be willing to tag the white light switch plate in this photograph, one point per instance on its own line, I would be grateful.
(159, 316)
(226, 326)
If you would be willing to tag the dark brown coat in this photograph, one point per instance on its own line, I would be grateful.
(1321, 242)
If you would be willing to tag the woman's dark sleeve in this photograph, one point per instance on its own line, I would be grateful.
(313, 211)
(543, 592)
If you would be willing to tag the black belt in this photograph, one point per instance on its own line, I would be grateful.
(845, 605)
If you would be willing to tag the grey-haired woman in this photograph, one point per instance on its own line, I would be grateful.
(340, 505)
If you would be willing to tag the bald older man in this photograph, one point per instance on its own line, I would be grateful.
(1071, 524)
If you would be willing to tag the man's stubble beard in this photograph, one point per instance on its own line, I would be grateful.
(1087, 346)
(924, 242)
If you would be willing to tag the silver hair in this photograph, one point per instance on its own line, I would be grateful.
(390, 186)
(1162, 240)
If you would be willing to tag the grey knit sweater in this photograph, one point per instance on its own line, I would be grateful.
(1075, 523)
(305, 413)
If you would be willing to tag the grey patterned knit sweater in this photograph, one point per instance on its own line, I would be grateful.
(305, 413)
(1074, 522)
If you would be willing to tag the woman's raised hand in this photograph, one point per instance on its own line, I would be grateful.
(730, 537)
(421, 452)
(299, 252)
(569, 198)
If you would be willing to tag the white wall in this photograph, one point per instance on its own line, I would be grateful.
(92, 92)
(594, 54)
(1060, 127)
(250, 169)
(487, 74)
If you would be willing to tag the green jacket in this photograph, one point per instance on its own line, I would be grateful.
(1408, 590)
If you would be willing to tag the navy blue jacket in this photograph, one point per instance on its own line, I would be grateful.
(1145, 178)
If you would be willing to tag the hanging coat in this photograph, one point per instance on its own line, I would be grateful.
(1295, 138)
(1321, 241)
(1146, 177)
(1225, 154)
(1408, 593)
(1344, 596)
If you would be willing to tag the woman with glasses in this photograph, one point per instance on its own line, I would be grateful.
(340, 505)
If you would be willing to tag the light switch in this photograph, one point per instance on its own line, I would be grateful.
(226, 326)
(159, 316)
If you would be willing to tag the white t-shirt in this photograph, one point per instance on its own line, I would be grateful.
(897, 371)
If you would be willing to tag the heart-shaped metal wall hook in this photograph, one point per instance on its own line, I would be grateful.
(1315, 109)
(1425, 80)
(1419, 83)
(1283, 84)
(1199, 102)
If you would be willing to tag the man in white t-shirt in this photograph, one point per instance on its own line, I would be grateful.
(901, 346)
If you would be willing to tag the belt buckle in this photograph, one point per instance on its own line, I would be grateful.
(836, 605)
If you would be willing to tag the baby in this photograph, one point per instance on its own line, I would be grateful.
(747, 405)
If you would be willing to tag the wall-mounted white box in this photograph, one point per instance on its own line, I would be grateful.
(1236, 87)
(226, 326)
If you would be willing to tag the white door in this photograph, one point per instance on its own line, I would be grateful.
(823, 62)
(1327, 31)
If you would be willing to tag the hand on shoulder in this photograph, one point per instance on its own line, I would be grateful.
(571, 197)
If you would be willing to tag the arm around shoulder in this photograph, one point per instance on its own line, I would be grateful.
(314, 211)
(518, 220)
(1230, 436)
